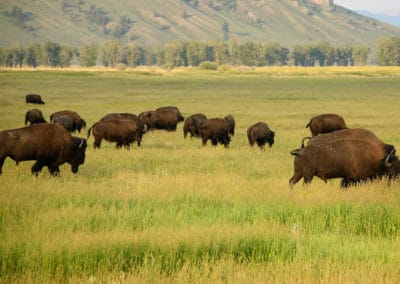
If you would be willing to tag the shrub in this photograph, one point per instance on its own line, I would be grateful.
(207, 65)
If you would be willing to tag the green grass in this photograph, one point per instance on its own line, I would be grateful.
(173, 210)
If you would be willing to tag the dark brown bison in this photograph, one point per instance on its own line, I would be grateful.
(178, 112)
(190, 127)
(231, 123)
(160, 119)
(130, 116)
(122, 131)
(34, 116)
(65, 121)
(355, 155)
(34, 99)
(214, 129)
(326, 123)
(260, 133)
(78, 122)
(49, 144)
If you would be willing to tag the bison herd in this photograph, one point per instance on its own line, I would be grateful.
(333, 151)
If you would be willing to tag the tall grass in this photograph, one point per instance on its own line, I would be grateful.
(173, 210)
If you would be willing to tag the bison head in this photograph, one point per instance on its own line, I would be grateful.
(78, 153)
(392, 164)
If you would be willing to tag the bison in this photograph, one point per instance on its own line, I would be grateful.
(34, 99)
(65, 121)
(231, 124)
(34, 116)
(122, 131)
(326, 123)
(214, 129)
(160, 119)
(130, 116)
(77, 122)
(174, 108)
(190, 127)
(355, 155)
(49, 144)
(260, 133)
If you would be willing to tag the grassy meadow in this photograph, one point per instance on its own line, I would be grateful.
(175, 211)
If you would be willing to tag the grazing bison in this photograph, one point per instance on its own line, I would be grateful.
(49, 144)
(160, 119)
(260, 133)
(77, 122)
(130, 116)
(231, 123)
(355, 155)
(174, 108)
(214, 129)
(65, 121)
(190, 127)
(34, 116)
(34, 99)
(122, 131)
(325, 123)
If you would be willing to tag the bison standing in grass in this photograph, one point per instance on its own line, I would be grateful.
(34, 99)
(260, 133)
(326, 123)
(77, 122)
(215, 129)
(355, 155)
(121, 131)
(190, 127)
(49, 144)
(34, 116)
(166, 119)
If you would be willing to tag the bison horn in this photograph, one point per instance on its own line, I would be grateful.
(80, 145)
(295, 152)
(387, 163)
(302, 141)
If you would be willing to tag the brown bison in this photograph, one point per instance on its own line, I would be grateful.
(326, 123)
(174, 108)
(122, 131)
(190, 127)
(214, 129)
(77, 122)
(34, 116)
(160, 119)
(49, 144)
(355, 155)
(260, 133)
(130, 116)
(34, 99)
(65, 121)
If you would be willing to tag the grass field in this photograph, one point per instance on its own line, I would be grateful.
(173, 210)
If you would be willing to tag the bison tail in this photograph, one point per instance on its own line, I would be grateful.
(308, 125)
(89, 130)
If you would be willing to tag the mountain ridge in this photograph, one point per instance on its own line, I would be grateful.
(156, 22)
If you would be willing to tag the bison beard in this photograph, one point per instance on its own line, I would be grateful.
(49, 144)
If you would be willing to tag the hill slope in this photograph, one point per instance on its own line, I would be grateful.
(155, 22)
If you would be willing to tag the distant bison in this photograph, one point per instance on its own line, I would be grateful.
(130, 116)
(34, 116)
(49, 144)
(121, 131)
(179, 115)
(231, 124)
(355, 155)
(190, 127)
(34, 99)
(166, 119)
(260, 133)
(214, 129)
(77, 122)
(326, 123)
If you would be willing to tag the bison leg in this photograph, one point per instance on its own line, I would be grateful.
(1, 164)
(97, 142)
(54, 170)
(37, 167)
(204, 141)
(214, 142)
(295, 178)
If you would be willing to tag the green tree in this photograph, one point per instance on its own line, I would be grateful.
(87, 55)
(33, 55)
(132, 53)
(175, 53)
(110, 53)
(225, 31)
(360, 54)
(51, 53)
(66, 55)
(160, 56)
(275, 54)
(250, 54)
(221, 52)
(388, 51)
(18, 54)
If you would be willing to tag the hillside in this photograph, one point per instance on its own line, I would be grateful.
(155, 22)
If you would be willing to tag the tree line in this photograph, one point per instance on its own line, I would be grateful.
(193, 53)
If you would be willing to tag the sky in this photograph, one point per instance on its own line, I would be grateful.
(387, 7)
